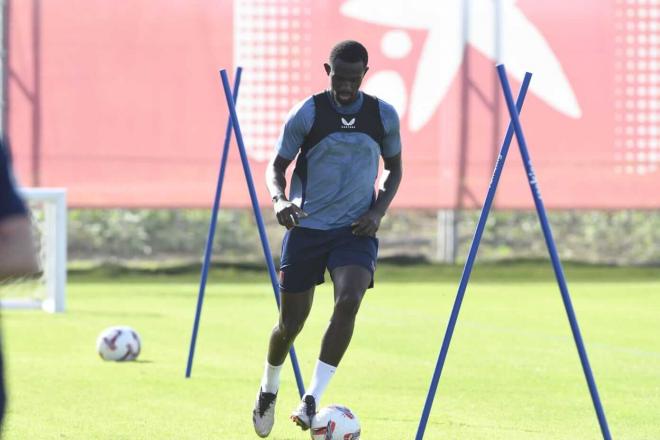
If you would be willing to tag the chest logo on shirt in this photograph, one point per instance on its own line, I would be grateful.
(347, 124)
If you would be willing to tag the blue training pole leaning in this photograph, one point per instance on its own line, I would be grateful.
(257, 214)
(208, 250)
(556, 263)
(468, 265)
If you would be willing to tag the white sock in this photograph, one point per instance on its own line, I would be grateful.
(270, 382)
(320, 380)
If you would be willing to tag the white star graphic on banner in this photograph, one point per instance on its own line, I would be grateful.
(523, 48)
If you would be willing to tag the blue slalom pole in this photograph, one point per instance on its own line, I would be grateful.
(556, 263)
(257, 214)
(208, 250)
(472, 255)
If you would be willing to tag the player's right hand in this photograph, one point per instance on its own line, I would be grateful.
(288, 214)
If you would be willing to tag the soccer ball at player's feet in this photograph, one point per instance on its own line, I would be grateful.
(119, 343)
(335, 422)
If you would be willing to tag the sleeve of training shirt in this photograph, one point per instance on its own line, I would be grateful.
(296, 127)
(10, 201)
(392, 139)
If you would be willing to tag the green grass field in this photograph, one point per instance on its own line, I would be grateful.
(512, 371)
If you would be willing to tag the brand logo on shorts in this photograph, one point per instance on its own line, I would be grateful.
(347, 124)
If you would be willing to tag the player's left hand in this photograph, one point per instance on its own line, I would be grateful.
(367, 224)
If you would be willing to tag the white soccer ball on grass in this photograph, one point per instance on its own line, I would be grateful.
(118, 343)
(335, 422)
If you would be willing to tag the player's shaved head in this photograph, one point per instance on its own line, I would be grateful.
(346, 69)
(350, 51)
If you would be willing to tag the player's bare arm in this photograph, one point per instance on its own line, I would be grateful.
(17, 251)
(369, 223)
(287, 213)
(18, 255)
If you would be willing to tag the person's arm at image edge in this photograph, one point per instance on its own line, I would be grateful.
(17, 250)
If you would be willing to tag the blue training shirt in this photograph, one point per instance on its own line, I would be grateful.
(334, 180)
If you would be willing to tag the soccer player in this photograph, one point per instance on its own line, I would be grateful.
(17, 251)
(331, 216)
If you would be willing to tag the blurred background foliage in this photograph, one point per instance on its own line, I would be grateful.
(179, 235)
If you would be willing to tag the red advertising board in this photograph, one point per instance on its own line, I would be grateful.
(121, 102)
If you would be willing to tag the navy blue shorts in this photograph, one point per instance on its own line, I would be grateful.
(306, 253)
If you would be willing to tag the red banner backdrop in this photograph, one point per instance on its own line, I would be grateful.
(121, 102)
